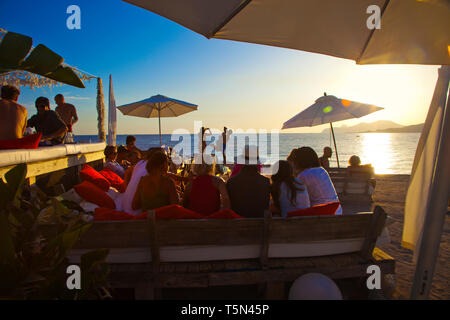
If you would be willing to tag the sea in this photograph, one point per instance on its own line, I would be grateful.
(389, 153)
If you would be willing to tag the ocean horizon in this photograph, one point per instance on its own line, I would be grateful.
(389, 153)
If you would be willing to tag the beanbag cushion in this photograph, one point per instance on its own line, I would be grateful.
(91, 193)
(176, 212)
(326, 209)
(89, 174)
(30, 141)
(115, 181)
(224, 214)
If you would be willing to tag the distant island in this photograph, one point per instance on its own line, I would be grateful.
(406, 129)
(381, 126)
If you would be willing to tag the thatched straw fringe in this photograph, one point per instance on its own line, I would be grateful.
(100, 110)
(27, 79)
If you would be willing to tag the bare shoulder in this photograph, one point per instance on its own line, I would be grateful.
(22, 109)
(167, 181)
(11, 105)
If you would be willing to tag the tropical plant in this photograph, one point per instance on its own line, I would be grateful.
(17, 54)
(33, 263)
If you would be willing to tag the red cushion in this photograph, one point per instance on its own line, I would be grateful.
(326, 209)
(92, 193)
(115, 181)
(224, 214)
(89, 174)
(174, 211)
(30, 141)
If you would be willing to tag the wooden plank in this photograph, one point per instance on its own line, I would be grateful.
(275, 291)
(183, 280)
(305, 229)
(375, 229)
(210, 232)
(42, 167)
(351, 266)
(135, 234)
(154, 241)
(264, 254)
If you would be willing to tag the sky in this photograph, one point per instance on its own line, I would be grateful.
(237, 85)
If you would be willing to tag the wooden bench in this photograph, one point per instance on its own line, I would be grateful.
(353, 184)
(267, 266)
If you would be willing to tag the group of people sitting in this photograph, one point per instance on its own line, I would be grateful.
(52, 125)
(299, 182)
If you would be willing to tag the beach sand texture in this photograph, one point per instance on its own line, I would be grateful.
(390, 193)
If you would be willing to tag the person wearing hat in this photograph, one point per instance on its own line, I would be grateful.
(249, 191)
(243, 158)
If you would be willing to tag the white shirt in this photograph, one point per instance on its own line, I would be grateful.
(320, 188)
(125, 200)
(301, 198)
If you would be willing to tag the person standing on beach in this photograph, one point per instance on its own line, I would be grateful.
(66, 111)
(225, 137)
(324, 162)
(14, 116)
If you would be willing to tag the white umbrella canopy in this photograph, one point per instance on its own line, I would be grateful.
(158, 106)
(411, 31)
(329, 109)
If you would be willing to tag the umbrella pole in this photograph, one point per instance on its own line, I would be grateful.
(159, 118)
(335, 149)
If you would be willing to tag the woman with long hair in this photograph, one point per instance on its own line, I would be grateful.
(316, 179)
(288, 192)
(155, 190)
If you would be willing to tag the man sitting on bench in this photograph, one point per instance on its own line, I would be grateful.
(355, 167)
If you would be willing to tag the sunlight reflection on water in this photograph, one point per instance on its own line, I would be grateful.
(389, 153)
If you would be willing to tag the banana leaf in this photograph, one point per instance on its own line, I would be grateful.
(13, 49)
(17, 54)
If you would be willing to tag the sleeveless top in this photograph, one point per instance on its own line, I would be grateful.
(204, 197)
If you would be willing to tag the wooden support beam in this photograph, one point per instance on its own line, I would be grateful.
(375, 229)
(38, 168)
(264, 255)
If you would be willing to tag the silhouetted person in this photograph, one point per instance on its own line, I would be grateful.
(48, 122)
(66, 111)
(13, 120)
(249, 191)
(324, 162)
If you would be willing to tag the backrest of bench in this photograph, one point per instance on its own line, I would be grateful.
(352, 183)
(124, 234)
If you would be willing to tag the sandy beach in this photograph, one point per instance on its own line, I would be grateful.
(390, 193)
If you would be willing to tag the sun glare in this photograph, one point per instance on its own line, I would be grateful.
(377, 150)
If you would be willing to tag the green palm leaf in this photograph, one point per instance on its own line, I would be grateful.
(14, 49)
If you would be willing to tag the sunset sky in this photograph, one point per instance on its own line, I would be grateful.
(237, 85)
